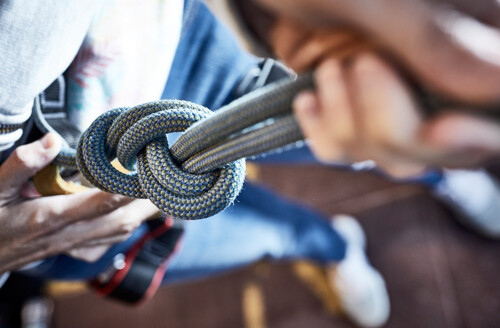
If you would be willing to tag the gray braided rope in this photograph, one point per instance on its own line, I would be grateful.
(271, 101)
(203, 172)
(158, 178)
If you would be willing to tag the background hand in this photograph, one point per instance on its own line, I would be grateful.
(363, 110)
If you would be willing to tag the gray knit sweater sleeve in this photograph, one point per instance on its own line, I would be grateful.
(38, 40)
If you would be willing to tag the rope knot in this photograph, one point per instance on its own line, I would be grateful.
(137, 137)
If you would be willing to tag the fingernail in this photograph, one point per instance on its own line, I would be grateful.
(330, 69)
(306, 103)
(50, 141)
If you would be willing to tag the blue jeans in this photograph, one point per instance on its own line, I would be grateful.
(261, 225)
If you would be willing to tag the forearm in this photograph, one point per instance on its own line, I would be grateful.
(435, 44)
(256, 19)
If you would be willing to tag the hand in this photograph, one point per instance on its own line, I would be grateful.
(33, 228)
(363, 110)
(451, 46)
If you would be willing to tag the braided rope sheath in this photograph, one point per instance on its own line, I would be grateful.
(271, 101)
(137, 136)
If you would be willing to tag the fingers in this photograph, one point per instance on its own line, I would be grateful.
(47, 214)
(82, 206)
(90, 240)
(392, 122)
(463, 133)
(25, 161)
(383, 103)
(19, 247)
(303, 48)
(89, 254)
(362, 111)
(114, 226)
(310, 118)
(365, 111)
(121, 221)
(388, 119)
(93, 250)
(326, 117)
(106, 241)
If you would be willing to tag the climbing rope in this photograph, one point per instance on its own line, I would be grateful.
(203, 172)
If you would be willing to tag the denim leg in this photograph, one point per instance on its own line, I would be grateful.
(261, 225)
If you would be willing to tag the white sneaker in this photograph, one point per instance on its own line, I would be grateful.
(474, 196)
(360, 288)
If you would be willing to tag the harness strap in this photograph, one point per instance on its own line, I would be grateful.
(135, 277)
(50, 113)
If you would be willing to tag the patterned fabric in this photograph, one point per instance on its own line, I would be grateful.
(125, 58)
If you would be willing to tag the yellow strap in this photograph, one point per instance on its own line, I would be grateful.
(49, 182)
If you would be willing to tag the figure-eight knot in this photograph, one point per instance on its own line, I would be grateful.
(137, 138)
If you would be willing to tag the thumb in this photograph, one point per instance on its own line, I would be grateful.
(25, 161)
(307, 112)
(312, 122)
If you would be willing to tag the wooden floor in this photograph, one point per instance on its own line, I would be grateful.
(439, 274)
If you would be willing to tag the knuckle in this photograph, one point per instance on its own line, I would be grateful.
(325, 154)
(43, 219)
(21, 157)
(127, 229)
(126, 223)
(329, 71)
(38, 218)
(108, 203)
